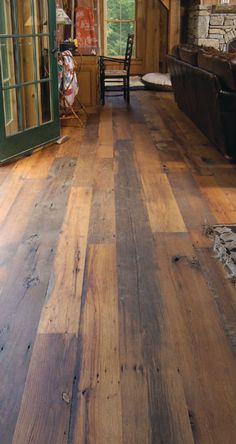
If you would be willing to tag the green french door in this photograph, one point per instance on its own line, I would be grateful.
(29, 108)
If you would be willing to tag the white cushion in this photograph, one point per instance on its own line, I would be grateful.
(157, 80)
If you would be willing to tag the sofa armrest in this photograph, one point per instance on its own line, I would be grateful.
(227, 100)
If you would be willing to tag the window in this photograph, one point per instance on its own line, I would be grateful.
(120, 20)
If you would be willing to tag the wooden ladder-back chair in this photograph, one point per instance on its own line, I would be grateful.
(120, 75)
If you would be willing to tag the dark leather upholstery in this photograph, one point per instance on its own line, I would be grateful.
(221, 64)
(188, 54)
(205, 92)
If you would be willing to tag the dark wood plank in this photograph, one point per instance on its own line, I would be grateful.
(157, 386)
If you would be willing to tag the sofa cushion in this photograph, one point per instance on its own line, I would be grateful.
(189, 54)
(222, 64)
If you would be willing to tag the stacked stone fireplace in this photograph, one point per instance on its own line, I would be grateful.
(208, 26)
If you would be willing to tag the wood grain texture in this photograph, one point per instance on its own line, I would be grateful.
(61, 311)
(163, 210)
(221, 205)
(198, 338)
(30, 269)
(158, 384)
(117, 324)
(45, 408)
(99, 416)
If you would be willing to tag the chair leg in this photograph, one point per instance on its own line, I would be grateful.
(102, 86)
(127, 91)
(125, 88)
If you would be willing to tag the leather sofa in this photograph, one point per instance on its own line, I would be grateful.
(204, 84)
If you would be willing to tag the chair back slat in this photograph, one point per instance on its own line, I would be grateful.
(128, 52)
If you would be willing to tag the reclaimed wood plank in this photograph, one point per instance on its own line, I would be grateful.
(61, 311)
(150, 373)
(220, 286)
(193, 206)
(102, 221)
(45, 408)
(21, 304)
(163, 210)
(105, 132)
(220, 204)
(98, 407)
(199, 341)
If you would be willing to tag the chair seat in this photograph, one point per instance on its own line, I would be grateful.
(115, 72)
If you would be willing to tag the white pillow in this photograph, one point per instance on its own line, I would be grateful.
(157, 80)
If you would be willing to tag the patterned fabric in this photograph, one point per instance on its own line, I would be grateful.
(67, 79)
(85, 30)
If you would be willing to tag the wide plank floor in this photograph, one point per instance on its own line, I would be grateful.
(117, 324)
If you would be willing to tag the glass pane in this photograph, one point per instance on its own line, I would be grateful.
(45, 102)
(42, 50)
(113, 10)
(25, 48)
(29, 106)
(7, 61)
(11, 105)
(41, 16)
(128, 10)
(117, 34)
(20, 107)
(5, 17)
(24, 17)
(17, 58)
(120, 9)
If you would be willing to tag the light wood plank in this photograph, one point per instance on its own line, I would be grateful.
(105, 150)
(99, 417)
(220, 204)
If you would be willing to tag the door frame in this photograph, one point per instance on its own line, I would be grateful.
(29, 139)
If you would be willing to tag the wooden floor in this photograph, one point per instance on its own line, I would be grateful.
(117, 325)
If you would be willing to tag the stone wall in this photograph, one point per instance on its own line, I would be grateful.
(210, 28)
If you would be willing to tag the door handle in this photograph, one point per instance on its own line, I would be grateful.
(54, 50)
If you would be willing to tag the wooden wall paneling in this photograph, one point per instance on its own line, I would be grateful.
(152, 36)
(166, 3)
(164, 18)
(88, 81)
(174, 24)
